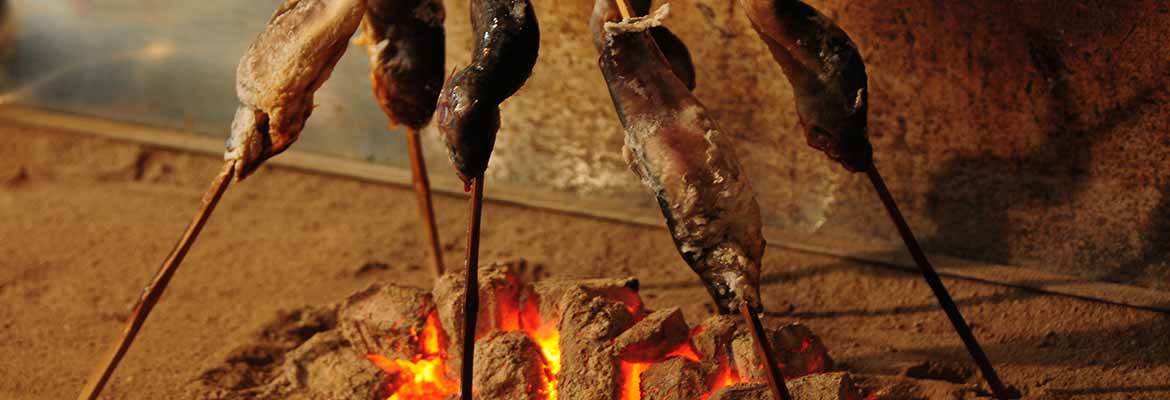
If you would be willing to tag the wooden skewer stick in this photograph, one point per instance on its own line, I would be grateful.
(471, 291)
(764, 351)
(940, 290)
(763, 348)
(426, 209)
(624, 9)
(153, 292)
(775, 377)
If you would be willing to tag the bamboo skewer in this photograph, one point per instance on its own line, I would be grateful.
(763, 347)
(775, 377)
(624, 9)
(426, 209)
(940, 290)
(153, 292)
(471, 291)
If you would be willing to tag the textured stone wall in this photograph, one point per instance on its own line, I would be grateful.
(1023, 132)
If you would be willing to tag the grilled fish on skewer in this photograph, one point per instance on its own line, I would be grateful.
(827, 74)
(506, 45)
(405, 41)
(278, 75)
(829, 81)
(679, 153)
(275, 82)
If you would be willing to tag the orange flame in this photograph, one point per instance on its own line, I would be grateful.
(422, 378)
(548, 338)
(686, 351)
(631, 387)
(724, 378)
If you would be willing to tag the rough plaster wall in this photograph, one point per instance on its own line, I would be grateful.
(1023, 132)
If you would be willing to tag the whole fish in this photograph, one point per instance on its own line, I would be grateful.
(280, 72)
(827, 74)
(507, 41)
(405, 41)
(677, 150)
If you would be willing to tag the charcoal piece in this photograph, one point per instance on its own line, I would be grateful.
(834, 386)
(652, 338)
(797, 349)
(388, 318)
(324, 367)
(509, 365)
(673, 379)
(551, 294)
(800, 350)
(715, 333)
(831, 386)
(449, 301)
(589, 368)
(499, 296)
(743, 391)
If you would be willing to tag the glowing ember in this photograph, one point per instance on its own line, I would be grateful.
(632, 380)
(516, 309)
(724, 378)
(548, 338)
(686, 351)
(423, 377)
(545, 334)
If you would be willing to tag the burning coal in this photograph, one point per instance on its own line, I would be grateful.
(613, 338)
(545, 340)
(424, 376)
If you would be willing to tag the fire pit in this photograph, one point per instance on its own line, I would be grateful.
(548, 339)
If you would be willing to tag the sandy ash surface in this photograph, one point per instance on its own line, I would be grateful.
(86, 222)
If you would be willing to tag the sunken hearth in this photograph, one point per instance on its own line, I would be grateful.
(548, 339)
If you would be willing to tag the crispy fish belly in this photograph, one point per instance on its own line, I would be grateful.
(678, 152)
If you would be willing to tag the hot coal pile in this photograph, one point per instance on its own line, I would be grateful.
(551, 339)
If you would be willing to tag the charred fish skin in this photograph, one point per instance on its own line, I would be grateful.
(506, 47)
(827, 74)
(676, 52)
(676, 149)
(280, 72)
(405, 41)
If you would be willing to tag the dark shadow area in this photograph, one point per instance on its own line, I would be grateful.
(1140, 345)
(977, 196)
(1144, 266)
